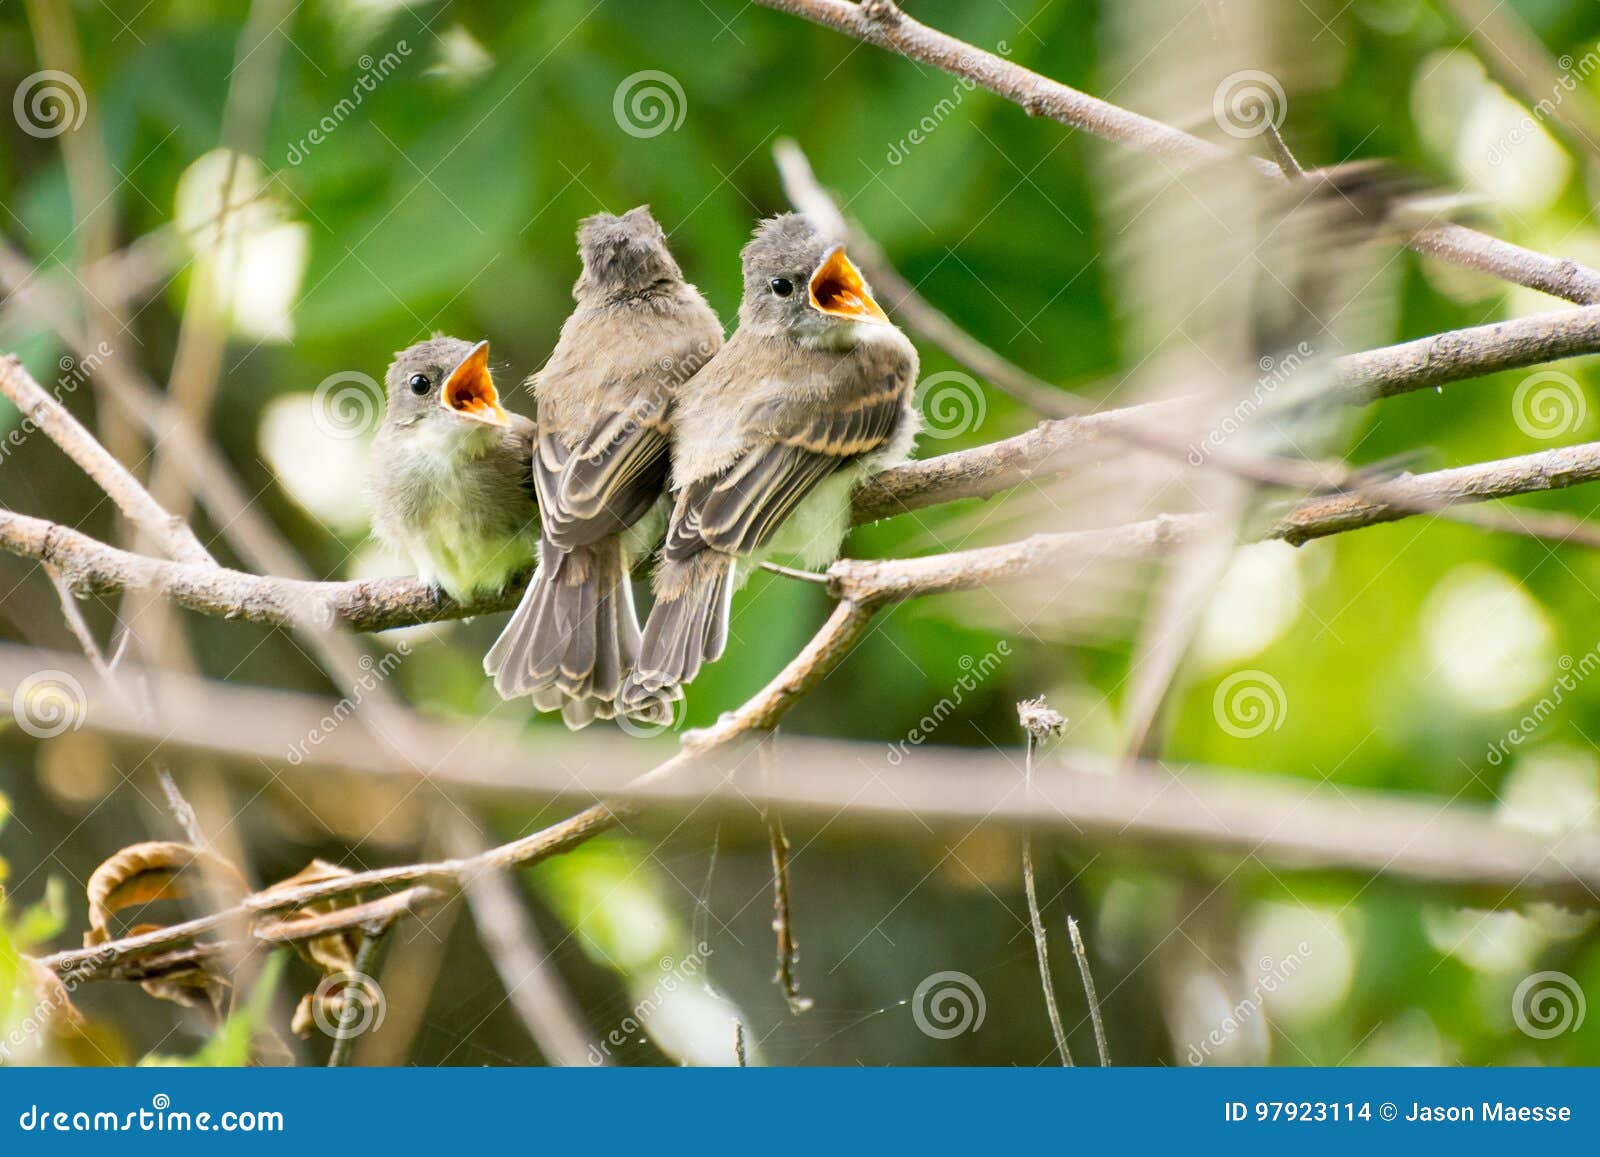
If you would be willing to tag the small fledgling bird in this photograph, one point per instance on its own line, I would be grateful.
(601, 465)
(813, 393)
(448, 479)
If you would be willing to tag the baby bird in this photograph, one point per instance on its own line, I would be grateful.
(813, 393)
(448, 479)
(601, 464)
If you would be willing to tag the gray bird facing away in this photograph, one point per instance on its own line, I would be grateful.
(448, 479)
(601, 465)
(813, 393)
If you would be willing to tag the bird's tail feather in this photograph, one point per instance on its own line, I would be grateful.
(574, 637)
(687, 628)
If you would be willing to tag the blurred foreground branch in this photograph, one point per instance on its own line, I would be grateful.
(1287, 822)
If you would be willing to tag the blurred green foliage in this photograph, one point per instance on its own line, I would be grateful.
(445, 198)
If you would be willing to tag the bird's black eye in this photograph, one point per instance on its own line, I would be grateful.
(420, 384)
(782, 286)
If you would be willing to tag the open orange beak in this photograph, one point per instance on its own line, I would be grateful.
(838, 291)
(469, 390)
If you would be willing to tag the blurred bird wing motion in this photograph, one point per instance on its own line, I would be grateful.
(792, 448)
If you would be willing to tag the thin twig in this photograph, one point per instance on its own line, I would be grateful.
(782, 924)
(136, 701)
(1039, 721)
(1089, 994)
(739, 1057)
(350, 1008)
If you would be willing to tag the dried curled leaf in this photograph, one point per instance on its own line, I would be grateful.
(332, 955)
(159, 870)
(151, 872)
(337, 951)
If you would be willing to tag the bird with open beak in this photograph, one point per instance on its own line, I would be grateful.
(449, 476)
(812, 394)
(601, 464)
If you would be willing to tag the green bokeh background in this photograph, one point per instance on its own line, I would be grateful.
(446, 201)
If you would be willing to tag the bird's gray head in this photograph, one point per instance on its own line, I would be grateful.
(444, 378)
(622, 255)
(799, 281)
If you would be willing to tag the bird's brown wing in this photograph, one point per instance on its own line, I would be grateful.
(608, 480)
(739, 510)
